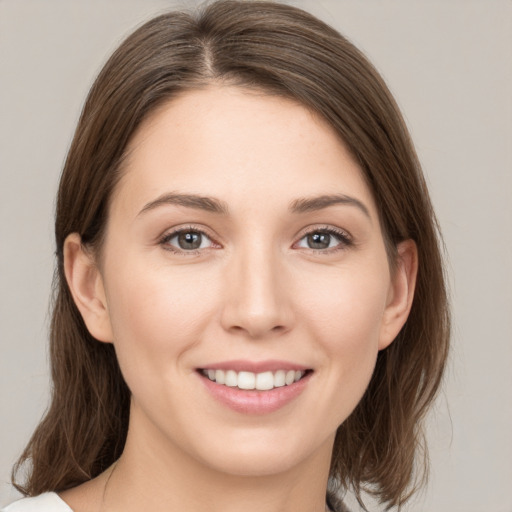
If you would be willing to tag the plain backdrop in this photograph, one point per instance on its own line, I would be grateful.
(449, 63)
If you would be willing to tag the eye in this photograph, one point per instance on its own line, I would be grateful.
(186, 240)
(325, 239)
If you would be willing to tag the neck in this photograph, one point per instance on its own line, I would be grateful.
(154, 474)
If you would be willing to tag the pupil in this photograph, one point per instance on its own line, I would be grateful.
(189, 240)
(319, 240)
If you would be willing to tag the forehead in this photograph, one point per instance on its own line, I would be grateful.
(237, 145)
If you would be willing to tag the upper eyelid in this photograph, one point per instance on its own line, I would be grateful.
(171, 232)
(328, 228)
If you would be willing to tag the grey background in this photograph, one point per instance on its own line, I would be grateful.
(449, 64)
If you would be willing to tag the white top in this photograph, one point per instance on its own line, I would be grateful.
(47, 502)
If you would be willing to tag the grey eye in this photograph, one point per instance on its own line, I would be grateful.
(188, 240)
(318, 240)
(322, 239)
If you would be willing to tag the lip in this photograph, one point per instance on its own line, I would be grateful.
(239, 365)
(255, 402)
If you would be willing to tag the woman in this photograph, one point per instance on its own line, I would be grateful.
(250, 306)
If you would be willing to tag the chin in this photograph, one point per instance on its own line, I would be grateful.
(255, 465)
(264, 455)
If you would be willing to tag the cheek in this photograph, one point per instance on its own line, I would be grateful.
(347, 305)
(155, 315)
(345, 317)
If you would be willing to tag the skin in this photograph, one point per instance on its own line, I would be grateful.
(255, 290)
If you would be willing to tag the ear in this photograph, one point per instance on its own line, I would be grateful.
(86, 285)
(401, 292)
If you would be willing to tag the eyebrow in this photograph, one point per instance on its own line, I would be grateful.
(213, 205)
(316, 203)
(209, 204)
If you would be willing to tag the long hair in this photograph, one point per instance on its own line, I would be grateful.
(283, 51)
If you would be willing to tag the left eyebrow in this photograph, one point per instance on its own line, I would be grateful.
(309, 204)
(209, 204)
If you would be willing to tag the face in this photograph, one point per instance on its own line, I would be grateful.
(244, 281)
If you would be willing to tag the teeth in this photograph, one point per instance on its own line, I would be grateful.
(231, 379)
(264, 381)
(290, 377)
(248, 380)
(279, 378)
(220, 376)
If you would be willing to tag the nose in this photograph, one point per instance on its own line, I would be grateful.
(257, 302)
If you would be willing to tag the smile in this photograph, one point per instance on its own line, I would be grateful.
(245, 380)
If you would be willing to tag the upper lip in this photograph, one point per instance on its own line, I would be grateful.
(240, 365)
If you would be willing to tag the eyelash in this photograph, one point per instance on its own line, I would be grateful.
(167, 237)
(345, 240)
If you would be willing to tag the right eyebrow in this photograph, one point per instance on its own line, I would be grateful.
(209, 204)
(308, 204)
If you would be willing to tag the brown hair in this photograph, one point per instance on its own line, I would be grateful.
(284, 51)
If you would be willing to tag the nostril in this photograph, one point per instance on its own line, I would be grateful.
(258, 328)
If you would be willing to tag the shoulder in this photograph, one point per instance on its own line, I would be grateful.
(47, 502)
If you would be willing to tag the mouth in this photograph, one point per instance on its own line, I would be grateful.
(247, 381)
(255, 387)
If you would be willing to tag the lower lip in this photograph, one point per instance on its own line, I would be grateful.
(252, 401)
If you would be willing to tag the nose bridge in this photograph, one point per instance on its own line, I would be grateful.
(257, 302)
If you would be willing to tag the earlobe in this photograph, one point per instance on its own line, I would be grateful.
(86, 285)
(401, 292)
